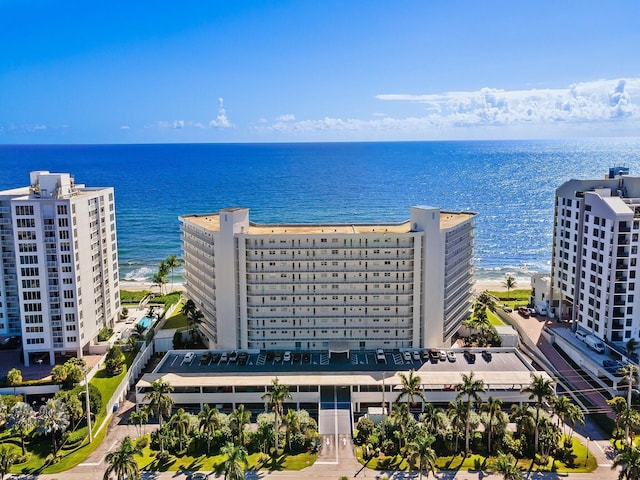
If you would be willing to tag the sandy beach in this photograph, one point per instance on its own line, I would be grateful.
(480, 285)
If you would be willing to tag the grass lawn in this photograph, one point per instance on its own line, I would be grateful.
(128, 297)
(480, 462)
(211, 463)
(177, 321)
(494, 319)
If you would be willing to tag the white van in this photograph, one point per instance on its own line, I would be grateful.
(580, 335)
(595, 343)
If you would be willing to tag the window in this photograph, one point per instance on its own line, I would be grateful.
(24, 209)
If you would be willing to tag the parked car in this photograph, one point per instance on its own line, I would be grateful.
(533, 312)
(286, 357)
(416, 356)
(188, 358)
(443, 355)
(306, 356)
(469, 356)
(380, 356)
(204, 359)
(199, 476)
(243, 357)
(486, 354)
(542, 310)
(233, 357)
(224, 358)
(434, 355)
(524, 311)
(451, 356)
(277, 357)
(407, 356)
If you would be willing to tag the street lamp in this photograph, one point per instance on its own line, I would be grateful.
(587, 460)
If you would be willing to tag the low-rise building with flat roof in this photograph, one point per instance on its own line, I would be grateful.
(317, 380)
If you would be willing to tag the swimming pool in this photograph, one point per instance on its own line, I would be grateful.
(145, 322)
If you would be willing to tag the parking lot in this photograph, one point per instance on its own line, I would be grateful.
(204, 361)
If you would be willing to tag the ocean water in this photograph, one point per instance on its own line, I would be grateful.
(509, 184)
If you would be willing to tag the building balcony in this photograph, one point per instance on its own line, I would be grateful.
(620, 288)
(622, 265)
(617, 325)
(619, 301)
(621, 277)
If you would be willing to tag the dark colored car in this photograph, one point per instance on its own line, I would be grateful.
(470, 357)
(486, 355)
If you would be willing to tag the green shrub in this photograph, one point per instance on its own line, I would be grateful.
(105, 334)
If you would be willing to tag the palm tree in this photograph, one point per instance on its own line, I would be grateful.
(235, 463)
(292, 424)
(160, 401)
(410, 388)
(172, 263)
(524, 418)
(188, 308)
(493, 408)
(626, 415)
(139, 417)
(181, 422)
(7, 459)
(434, 420)
(509, 283)
(541, 390)
(575, 415)
(275, 397)
(209, 423)
(421, 451)
(122, 461)
(506, 466)
(21, 418)
(14, 378)
(458, 415)
(632, 346)
(400, 416)
(629, 461)
(53, 418)
(237, 421)
(469, 388)
(561, 406)
(194, 320)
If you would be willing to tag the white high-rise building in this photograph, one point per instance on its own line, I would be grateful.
(59, 265)
(346, 286)
(595, 264)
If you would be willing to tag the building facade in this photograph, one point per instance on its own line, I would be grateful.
(59, 275)
(344, 286)
(595, 256)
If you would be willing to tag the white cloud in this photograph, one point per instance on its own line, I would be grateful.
(221, 120)
(125, 127)
(286, 118)
(581, 102)
(611, 104)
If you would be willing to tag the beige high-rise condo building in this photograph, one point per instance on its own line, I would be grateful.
(329, 286)
(59, 265)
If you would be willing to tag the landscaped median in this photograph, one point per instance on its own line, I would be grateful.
(475, 462)
(75, 446)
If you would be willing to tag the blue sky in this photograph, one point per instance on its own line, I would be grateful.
(330, 70)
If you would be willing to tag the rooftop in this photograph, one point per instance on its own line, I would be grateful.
(212, 222)
(505, 367)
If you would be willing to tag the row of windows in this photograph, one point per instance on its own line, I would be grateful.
(24, 209)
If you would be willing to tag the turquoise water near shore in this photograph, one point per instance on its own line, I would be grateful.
(510, 184)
